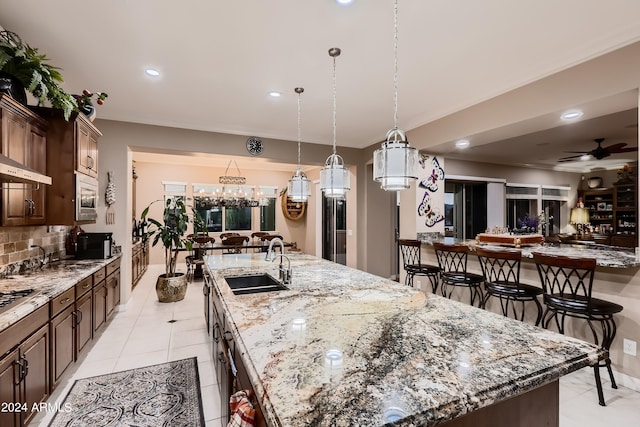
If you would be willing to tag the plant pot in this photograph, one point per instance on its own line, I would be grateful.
(171, 289)
(12, 86)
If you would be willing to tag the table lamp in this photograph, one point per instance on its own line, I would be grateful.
(579, 217)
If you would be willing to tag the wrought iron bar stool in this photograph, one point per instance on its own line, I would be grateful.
(501, 270)
(452, 260)
(411, 259)
(567, 284)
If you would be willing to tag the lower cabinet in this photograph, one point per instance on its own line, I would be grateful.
(25, 371)
(231, 373)
(99, 306)
(84, 324)
(112, 284)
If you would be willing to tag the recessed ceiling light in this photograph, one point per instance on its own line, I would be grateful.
(151, 72)
(463, 143)
(274, 94)
(344, 1)
(571, 115)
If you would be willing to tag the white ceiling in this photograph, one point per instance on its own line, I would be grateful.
(219, 59)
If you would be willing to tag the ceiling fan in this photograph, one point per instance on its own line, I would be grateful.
(600, 152)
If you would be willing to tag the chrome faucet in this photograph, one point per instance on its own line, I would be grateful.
(43, 260)
(269, 255)
(284, 274)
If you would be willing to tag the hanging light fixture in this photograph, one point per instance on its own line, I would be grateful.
(334, 177)
(395, 164)
(299, 186)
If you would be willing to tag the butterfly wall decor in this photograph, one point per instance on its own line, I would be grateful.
(437, 174)
(432, 215)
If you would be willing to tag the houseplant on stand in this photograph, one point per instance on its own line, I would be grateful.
(171, 231)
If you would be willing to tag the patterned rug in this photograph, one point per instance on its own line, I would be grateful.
(167, 394)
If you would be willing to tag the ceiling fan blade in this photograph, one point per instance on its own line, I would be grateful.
(615, 148)
(570, 158)
(627, 150)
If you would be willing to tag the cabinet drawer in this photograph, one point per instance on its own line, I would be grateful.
(84, 286)
(113, 266)
(62, 301)
(99, 276)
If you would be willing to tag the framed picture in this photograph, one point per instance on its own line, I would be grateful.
(609, 207)
(601, 206)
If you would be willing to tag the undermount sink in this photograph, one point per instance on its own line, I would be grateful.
(253, 284)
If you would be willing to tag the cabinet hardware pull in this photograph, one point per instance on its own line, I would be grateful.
(86, 285)
(66, 300)
(78, 315)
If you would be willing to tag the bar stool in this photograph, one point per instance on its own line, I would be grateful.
(567, 284)
(501, 270)
(411, 259)
(452, 260)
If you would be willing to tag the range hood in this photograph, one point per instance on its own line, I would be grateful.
(12, 171)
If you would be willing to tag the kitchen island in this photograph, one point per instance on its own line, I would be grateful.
(344, 347)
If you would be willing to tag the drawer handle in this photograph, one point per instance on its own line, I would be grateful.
(66, 300)
(86, 285)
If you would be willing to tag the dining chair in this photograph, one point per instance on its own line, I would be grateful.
(452, 261)
(413, 266)
(567, 285)
(235, 243)
(501, 270)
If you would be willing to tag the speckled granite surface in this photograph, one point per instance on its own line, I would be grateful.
(604, 255)
(47, 283)
(343, 347)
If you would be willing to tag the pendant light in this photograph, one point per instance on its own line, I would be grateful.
(395, 164)
(334, 177)
(299, 185)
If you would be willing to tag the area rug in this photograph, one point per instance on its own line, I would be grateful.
(167, 394)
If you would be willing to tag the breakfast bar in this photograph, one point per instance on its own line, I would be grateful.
(344, 347)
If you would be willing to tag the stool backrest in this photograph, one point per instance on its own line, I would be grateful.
(500, 266)
(410, 250)
(451, 258)
(565, 276)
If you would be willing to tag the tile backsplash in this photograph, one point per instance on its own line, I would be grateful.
(15, 253)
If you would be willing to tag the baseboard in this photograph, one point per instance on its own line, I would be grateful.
(627, 381)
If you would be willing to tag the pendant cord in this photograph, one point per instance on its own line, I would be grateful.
(334, 105)
(395, 64)
(299, 137)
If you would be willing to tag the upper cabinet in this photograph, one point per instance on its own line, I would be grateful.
(24, 139)
(72, 149)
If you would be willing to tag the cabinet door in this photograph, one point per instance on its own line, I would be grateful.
(36, 387)
(14, 141)
(9, 390)
(113, 292)
(84, 324)
(99, 305)
(36, 156)
(87, 149)
(62, 341)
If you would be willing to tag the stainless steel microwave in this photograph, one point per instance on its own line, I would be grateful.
(86, 198)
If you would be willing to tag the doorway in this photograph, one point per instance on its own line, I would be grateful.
(465, 209)
(334, 230)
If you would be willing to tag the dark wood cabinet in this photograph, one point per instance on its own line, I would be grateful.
(83, 322)
(99, 306)
(613, 213)
(112, 285)
(24, 140)
(139, 260)
(76, 141)
(24, 367)
(63, 321)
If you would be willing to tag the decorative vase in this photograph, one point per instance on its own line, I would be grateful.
(12, 86)
(171, 289)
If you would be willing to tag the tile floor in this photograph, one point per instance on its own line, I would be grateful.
(143, 335)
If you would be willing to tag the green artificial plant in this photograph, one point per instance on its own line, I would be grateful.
(31, 69)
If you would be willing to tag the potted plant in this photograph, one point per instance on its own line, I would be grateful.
(24, 66)
(171, 231)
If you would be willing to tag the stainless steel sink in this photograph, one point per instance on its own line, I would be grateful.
(253, 284)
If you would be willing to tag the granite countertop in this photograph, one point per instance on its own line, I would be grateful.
(606, 256)
(344, 347)
(47, 283)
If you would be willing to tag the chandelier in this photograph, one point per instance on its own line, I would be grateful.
(334, 177)
(299, 186)
(395, 164)
(231, 195)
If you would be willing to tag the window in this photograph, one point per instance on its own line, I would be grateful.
(220, 217)
(268, 197)
(544, 201)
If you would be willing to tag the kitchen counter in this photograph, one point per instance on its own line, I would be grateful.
(47, 283)
(344, 347)
(606, 256)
